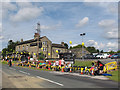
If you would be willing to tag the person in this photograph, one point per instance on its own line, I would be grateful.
(10, 63)
(57, 64)
(100, 66)
(62, 62)
(66, 68)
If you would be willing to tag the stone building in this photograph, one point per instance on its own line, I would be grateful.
(78, 52)
(41, 44)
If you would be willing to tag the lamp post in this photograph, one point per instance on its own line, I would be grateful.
(83, 34)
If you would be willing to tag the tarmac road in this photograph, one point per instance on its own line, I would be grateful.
(19, 77)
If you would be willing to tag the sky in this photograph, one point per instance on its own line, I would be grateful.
(61, 22)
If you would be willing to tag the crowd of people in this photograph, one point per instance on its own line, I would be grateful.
(58, 65)
(98, 67)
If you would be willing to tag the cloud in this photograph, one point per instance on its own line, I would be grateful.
(21, 11)
(106, 23)
(95, 44)
(112, 34)
(73, 45)
(26, 14)
(112, 46)
(82, 22)
(92, 43)
(103, 46)
(110, 28)
(24, 4)
(108, 6)
(6, 8)
(53, 27)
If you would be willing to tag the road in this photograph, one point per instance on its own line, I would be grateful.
(18, 77)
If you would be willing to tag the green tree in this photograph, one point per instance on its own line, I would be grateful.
(118, 51)
(4, 52)
(78, 46)
(10, 48)
(91, 49)
(98, 51)
(101, 51)
(41, 57)
(111, 52)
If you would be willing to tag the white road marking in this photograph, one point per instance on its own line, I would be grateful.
(24, 72)
(50, 81)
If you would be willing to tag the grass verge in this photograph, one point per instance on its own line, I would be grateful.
(83, 63)
(114, 76)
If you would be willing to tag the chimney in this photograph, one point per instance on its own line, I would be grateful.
(36, 35)
(62, 43)
(21, 40)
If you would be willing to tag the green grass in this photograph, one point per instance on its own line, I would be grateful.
(14, 62)
(83, 63)
(114, 76)
(4, 62)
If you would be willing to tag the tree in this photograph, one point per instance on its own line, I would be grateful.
(118, 51)
(111, 52)
(98, 51)
(10, 48)
(101, 51)
(91, 49)
(41, 57)
(78, 46)
(4, 52)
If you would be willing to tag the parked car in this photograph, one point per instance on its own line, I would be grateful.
(106, 55)
(101, 56)
(110, 55)
(117, 55)
(89, 56)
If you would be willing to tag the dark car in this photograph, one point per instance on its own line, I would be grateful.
(117, 55)
(89, 56)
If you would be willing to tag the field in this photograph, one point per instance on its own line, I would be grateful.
(114, 76)
(83, 63)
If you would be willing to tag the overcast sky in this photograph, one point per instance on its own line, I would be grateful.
(62, 21)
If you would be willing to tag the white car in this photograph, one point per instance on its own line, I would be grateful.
(101, 56)
(106, 55)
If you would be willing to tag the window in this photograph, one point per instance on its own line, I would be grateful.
(59, 51)
(43, 43)
(43, 49)
(23, 47)
(27, 47)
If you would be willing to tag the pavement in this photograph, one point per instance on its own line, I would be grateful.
(18, 77)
